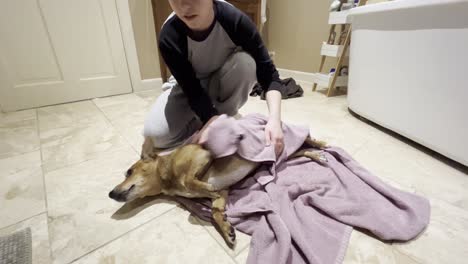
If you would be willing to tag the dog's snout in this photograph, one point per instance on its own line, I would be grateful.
(120, 195)
(113, 195)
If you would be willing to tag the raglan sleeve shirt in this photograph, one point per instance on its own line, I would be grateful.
(243, 33)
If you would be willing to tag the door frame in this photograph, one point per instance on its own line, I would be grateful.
(128, 37)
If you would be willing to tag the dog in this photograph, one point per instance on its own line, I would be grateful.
(190, 171)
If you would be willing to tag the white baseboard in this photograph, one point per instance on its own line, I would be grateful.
(297, 75)
(156, 83)
(149, 84)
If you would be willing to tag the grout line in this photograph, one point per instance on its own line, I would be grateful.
(13, 129)
(107, 122)
(70, 164)
(23, 220)
(212, 237)
(122, 235)
(44, 186)
(408, 256)
(226, 250)
(246, 247)
(242, 251)
(115, 128)
(41, 157)
(8, 156)
(106, 119)
(358, 149)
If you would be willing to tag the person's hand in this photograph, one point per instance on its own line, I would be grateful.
(274, 135)
(202, 135)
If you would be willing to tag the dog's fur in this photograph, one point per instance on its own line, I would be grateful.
(190, 171)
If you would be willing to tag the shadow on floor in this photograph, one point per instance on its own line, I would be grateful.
(134, 207)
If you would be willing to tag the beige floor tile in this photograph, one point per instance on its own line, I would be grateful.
(446, 238)
(116, 102)
(73, 114)
(150, 95)
(39, 235)
(133, 134)
(390, 158)
(127, 114)
(444, 172)
(363, 249)
(70, 145)
(18, 133)
(19, 163)
(16, 119)
(242, 240)
(170, 238)
(21, 188)
(81, 216)
(242, 257)
(73, 133)
(128, 108)
(254, 105)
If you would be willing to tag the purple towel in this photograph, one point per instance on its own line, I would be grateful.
(302, 211)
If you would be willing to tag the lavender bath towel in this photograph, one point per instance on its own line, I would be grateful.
(302, 211)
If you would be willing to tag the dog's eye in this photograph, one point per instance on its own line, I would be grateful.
(129, 172)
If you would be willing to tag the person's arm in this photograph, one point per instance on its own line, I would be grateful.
(173, 48)
(244, 33)
(273, 130)
(273, 98)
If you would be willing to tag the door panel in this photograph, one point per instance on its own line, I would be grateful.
(56, 51)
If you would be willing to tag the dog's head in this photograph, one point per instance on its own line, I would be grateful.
(142, 179)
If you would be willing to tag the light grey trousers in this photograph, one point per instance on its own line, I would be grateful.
(171, 121)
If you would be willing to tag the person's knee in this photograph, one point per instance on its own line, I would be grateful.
(159, 135)
(244, 67)
(238, 74)
(234, 82)
(168, 137)
(169, 120)
(246, 74)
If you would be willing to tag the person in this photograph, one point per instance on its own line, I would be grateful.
(216, 55)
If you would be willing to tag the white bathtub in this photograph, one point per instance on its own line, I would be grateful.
(409, 71)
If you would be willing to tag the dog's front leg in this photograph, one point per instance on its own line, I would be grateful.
(220, 221)
(315, 143)
(198, 167)
(203, 189)
(316, 156)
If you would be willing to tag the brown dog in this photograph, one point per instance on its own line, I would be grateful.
(190, 171)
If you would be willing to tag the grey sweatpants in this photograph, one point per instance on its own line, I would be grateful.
(171, 120)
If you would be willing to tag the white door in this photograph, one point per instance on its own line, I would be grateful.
(56, 51)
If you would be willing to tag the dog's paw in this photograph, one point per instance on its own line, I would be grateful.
(229, 233)
(231, 238)
(322, 144)
(225, 229)
(316, 156)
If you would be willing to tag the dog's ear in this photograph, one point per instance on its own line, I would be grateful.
(148, 156)
(148, 150)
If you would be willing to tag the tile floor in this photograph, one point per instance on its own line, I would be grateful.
(58, 163)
